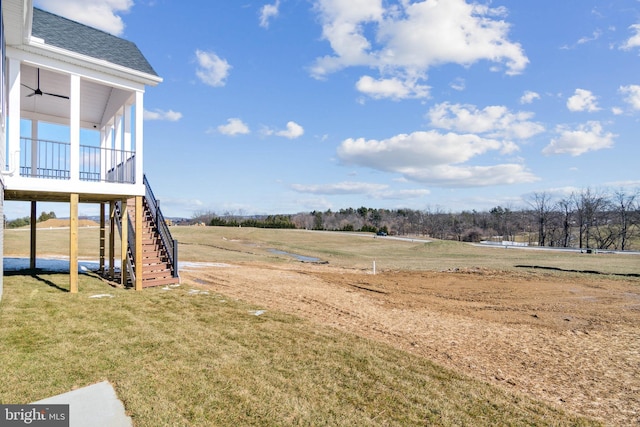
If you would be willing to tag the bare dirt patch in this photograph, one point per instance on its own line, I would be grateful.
(570, 339)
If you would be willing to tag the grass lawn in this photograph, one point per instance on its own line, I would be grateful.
(185, 358)
(182, 357)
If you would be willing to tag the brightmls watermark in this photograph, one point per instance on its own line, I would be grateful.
(34, 415)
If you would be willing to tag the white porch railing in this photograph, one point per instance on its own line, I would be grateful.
(46, 159)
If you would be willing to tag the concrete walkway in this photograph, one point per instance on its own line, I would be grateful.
(96, 405)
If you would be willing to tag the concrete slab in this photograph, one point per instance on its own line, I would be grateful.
(96, 405)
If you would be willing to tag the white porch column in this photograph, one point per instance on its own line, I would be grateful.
(34, 147)
(104, 156)
(119, 157)
(110, 163)
(74, 127)
(118, 131)
(127, 127)
(139, 119)
(14, 116)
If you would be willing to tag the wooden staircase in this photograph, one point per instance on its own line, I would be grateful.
(157, 269)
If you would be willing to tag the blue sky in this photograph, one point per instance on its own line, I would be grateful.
(285, 106)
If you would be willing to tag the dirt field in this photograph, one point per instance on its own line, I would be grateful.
(570, 339)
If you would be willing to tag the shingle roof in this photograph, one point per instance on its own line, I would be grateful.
(73, 36)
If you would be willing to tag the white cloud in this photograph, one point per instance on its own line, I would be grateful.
(458, 84)
(494, 120)
(170, 116)
(595, 36)
(343, 24)
(346, 187)
(267, 12)
(451, 32)
(372, 190)
(528, 97)
(474, 176)
(404, 40)
(393, 88)
(582, 100)
(633, 41)
(587, 137)
(182, 207)
(433, 158)
(293, 131)
(401, 194)
(101, 14)
(632, 93)
(632, 185)
(212, 70)
(234, 127)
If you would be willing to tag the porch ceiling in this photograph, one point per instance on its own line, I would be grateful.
(95, 98)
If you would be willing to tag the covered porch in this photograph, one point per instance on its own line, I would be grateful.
(116, 231)
(77, 139)
(81, 131)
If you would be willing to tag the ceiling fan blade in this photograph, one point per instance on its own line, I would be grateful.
(55, 94)
(37, 91)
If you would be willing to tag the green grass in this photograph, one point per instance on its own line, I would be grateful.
(181, 359)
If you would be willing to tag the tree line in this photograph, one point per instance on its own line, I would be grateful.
(21, 222)
(586, 219)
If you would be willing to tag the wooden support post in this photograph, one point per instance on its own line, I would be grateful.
(112, 238)
(32, 252)
(139, 236)
(124, 242)
(102, 238)
(73, 244)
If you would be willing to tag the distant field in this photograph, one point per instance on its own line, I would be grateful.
(445, 333)
(358, 252)
(348, 250)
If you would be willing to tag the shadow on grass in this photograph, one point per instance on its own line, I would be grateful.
(36, 273)
(568, 270)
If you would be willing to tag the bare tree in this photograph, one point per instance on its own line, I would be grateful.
(542, 204)
(585, 219)
(624, 206)
(204, 217)
(564, 206)
(502, 219)
(587, 204)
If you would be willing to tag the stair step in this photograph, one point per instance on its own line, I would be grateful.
(148, 256)
(155, 264)
(155, 246)
(160, 282)
(156, 269)
(149, 243)
(156, 275)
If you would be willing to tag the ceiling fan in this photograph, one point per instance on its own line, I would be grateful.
(37, 91)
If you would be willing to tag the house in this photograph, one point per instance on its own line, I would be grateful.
(91, 85)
